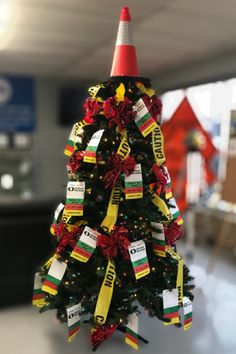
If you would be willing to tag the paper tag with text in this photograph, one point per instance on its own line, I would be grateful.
(74, 138)
(54, 277)
(159, 242)
(75, 198)
(131, 335)
(170, 306)
(174, 210)
(134, 184)
(73, 321)
(58, 210)
(90, 152)
(138, 256)
(38, 295)
(188, 313)
(143, 119)
(85, 245)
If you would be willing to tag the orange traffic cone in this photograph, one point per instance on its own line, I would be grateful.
(124, 59)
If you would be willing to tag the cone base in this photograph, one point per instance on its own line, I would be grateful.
(124, 61)
(146, 81)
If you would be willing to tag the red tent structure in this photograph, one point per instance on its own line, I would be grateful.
(182, 133)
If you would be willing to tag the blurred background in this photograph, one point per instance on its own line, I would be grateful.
(51, 51)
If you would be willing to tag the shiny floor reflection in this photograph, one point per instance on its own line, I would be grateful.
(24, 331)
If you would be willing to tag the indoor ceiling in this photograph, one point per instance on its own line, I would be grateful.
(76, 38)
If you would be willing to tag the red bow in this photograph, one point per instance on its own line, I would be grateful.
(117, 240)
(101, 333)
(75, 160)
(118, 114)
(172, 233)
(154, 105)
(66, 237)
(160, 174)
(117, 166)
(92, 108)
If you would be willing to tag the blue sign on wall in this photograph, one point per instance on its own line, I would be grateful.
(17, 104)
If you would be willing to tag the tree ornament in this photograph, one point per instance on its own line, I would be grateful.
(117, 240)
(66, 237)
(172, 232)
(92, 107)
(118, 114)
(116, 165)
(75, 161)
(99, 334)
(154, 105)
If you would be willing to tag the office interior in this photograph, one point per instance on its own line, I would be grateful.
(51, 52)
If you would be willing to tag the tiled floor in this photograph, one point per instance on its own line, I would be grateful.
(24, 331)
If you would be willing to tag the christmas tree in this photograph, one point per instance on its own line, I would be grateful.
(115, 234)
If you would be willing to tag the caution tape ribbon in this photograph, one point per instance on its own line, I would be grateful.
(112, 210)
(124, 148)
(162, 206)
(180, 276)
(105, 294)
(158, 146)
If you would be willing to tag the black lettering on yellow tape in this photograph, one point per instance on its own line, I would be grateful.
(158, 146)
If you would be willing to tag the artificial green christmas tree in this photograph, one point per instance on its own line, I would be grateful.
(115, 233)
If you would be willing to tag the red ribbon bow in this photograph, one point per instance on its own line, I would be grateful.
(117, 240)
(75, 160)
(172, 233)
(101, 333)
(154, 105)
(92, 108)
(160, 174)
(118, 114)
(117, 166)
(66, 237)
